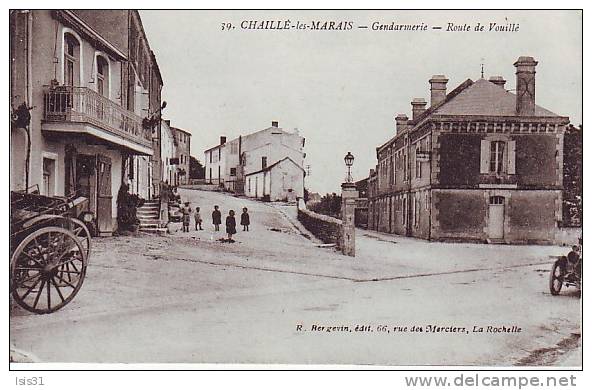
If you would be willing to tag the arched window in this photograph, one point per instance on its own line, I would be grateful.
(102, 76)
(71, 60)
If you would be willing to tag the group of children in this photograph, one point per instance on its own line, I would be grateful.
(216, 220)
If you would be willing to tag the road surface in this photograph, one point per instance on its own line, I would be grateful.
(274, 296)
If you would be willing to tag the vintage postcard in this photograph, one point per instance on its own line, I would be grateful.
(296, 187)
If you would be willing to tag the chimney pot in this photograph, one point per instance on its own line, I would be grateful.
(498, 80)
(438, 89)
(222, 140)
(525, 85)
(274, 124)
(418, 106)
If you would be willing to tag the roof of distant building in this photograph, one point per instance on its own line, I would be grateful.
(276, 163)
(475, 98)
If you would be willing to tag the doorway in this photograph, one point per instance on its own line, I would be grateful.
(49, 176)
(496, 217)
(104, 197)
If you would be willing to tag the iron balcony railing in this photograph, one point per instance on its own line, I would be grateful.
(80, 104)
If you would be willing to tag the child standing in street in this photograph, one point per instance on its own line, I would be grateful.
(230, 225)
(216, 218)
(186, 211)
(198, 220)
(245, 220)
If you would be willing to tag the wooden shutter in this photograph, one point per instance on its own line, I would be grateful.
(512, 157)
(485, 156)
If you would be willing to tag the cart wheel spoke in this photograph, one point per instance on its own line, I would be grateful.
(30, 289)
(48, 294)
(68, 283)
(58, 290)
(38, 294)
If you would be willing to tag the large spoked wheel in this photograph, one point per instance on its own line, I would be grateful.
(47, 269)
(556, 278)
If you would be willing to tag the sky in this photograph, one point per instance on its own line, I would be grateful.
(342, 89)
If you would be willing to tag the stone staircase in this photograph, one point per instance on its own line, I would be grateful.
(148, 216)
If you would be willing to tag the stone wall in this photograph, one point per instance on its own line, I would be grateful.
(325, 228)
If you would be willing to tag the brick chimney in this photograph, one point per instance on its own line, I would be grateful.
(402, 123)
(274, 124)
(498, 80)
(438, 89)
(418, 106)
(525, 85)
(222, 140)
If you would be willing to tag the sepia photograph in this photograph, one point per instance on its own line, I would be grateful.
(312, 188)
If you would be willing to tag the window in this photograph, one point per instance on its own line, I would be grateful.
(102, 76)
(405, 177)
(496, 156)
(71, 60)
(395, 168)
(263, 162)
(496, 200)
(417, 161)
(404, 211)
(234, 148)
(232, 171)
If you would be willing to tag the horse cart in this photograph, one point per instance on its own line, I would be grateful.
(49, 250)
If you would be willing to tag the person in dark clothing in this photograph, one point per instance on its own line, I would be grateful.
(216, 218)
(230, 225)
(245, 220)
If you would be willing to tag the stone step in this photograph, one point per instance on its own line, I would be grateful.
(148, 208)
(149, 225)
(156, 230)
(147, 212)
(149, 220)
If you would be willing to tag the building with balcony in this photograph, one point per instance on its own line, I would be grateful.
(480, 164)
(92, 83)
(244, 164)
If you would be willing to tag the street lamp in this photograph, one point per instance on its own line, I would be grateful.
(349, 161)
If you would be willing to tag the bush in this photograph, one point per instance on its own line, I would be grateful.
(127, 208)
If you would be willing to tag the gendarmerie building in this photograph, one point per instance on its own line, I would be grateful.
(480, 164)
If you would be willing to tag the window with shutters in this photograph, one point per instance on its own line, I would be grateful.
(498, 156)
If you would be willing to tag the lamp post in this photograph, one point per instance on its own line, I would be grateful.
(349, 194)
(349, 161)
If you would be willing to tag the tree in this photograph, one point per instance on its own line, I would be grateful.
(330, 205)
(196, 170)
(572, 176)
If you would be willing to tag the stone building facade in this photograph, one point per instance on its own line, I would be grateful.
(479, 164)
(90, 79)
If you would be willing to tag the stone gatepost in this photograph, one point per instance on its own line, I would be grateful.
(349, 194)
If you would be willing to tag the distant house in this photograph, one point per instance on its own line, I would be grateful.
(231, 164)
(283, 180)
(480, 164)
(182, 152)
